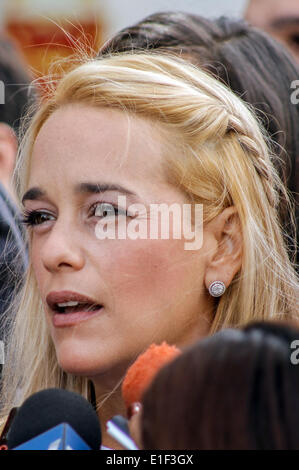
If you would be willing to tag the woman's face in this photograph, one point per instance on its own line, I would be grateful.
(145, 290)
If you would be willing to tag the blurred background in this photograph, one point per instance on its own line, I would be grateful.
(45, 30)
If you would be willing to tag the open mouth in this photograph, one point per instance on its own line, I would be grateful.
(74, 307)
(70, 308)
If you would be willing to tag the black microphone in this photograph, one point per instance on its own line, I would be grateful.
(46, 410)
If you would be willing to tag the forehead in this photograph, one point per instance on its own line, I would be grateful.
(266, 12)
(85, 139)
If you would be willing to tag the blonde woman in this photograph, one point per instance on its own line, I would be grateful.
(119, 137)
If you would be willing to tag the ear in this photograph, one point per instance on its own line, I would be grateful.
(8, 150)
(225, 259)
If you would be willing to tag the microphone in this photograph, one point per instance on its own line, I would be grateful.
(142, 372)
(118, 428)
(55, 419)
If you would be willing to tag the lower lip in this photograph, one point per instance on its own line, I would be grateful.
(71, 319)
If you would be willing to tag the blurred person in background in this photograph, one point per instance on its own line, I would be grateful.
(236, 390)
(16, 93)
(15, 99)
(278, 18)
(251, 63)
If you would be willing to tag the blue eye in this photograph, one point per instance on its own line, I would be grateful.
(32, 218)
(104, 209)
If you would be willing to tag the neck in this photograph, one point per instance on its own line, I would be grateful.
(109, 403)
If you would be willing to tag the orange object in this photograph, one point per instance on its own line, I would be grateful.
(143, 370)
(47, 32)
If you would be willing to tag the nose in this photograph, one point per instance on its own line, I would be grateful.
(62, 249)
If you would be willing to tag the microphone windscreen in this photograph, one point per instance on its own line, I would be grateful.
(142, 372)
(48, 408)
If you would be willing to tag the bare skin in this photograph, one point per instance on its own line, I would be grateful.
(150, 290)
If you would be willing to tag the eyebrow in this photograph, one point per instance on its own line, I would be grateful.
(32, 194)
(88, 188)
(285, 21)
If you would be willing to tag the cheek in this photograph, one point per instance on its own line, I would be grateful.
(38, 270)
(151, 272)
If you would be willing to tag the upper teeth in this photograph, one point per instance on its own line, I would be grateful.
(71, 303)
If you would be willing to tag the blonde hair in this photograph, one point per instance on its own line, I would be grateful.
(221, 159)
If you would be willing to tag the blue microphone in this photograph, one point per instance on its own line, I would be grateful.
(61, 437)
(55, 419)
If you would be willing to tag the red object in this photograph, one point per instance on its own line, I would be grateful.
(143, 370)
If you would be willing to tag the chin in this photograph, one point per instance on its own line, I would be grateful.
(85, 363)
(77, 362)
(78, 369)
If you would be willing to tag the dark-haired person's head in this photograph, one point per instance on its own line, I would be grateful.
(250, 62)
(280, 19)
(238, 389)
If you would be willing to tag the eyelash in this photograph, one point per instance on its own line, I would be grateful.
(29, 217)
